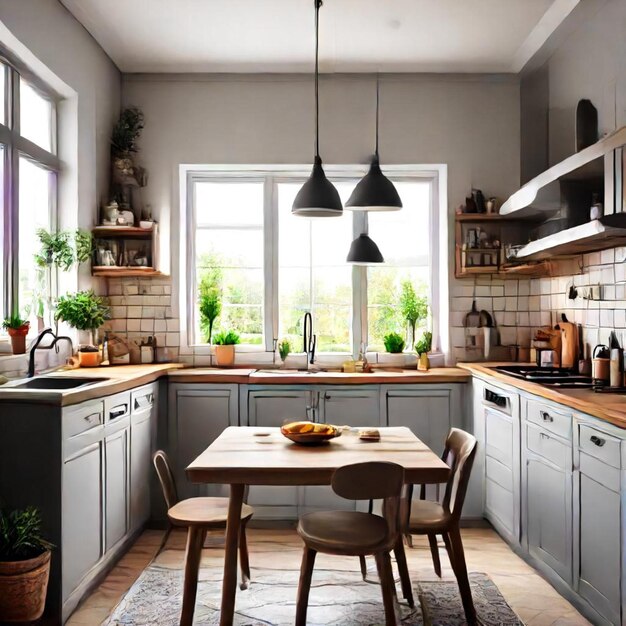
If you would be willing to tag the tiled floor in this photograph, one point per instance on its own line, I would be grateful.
(533, 599)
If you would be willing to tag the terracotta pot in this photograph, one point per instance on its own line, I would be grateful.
(23, 586)
(224, 356)
(88, 359)
(18, 339)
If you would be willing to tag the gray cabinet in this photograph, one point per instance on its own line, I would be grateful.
(354, 406)
(600, 520)
(82, 513)
(547, 498)
(116, 486)
(142, 436)
(198, 413)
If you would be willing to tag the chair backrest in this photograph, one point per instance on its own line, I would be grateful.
(375, 480)
(163, 469)
(459, 455)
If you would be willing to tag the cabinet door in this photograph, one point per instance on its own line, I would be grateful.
(140, 467)
(199, 414)
(599, 547)
(270, 408)
(549, 514)
(82, 515)
(116, 487)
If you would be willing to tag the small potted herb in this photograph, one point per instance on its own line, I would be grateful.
(84, 311)
(225, 348)
(284, 348)
(24, 566)
(18, 329)
(423, 347)
(394, 345)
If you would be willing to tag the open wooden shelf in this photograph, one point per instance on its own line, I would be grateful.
(122, 231)
(111, 271)
(491, 217)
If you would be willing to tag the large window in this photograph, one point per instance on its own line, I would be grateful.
(241, 244)
(28, 167)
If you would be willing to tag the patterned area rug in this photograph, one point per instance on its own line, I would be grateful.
(338, 598)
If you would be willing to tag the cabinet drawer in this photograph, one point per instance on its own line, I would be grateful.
(143, 398)
(116, 407)
(600, 445)
(498, 473)
(547, 446)
(556, 422)
(81, 418)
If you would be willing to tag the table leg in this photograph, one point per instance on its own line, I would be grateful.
(229, 584)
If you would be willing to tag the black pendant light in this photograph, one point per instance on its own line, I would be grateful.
(363, 251)
(318, 196)
(375, 192)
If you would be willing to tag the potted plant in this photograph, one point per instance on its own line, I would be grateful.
(225, 348)
(414, 308)
(18, 329)
(84, 311)
(284, 348)
(394, 345)
(24, 566)
(423, 347)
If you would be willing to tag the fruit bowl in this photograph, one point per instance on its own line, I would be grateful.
(309, 433)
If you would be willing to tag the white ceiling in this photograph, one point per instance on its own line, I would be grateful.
(355, 35)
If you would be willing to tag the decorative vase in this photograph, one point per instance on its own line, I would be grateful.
(392, 359)
(423, 362)
(225, 356)
(18, 339)
(23, 587)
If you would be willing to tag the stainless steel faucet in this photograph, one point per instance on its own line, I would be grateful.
(53, 344)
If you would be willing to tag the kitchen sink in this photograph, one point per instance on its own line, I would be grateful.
(60, 383)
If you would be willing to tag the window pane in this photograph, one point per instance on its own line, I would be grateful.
(34, 202)
(3, 93)
(35, 116)
(3, 277)
(404, 240)
(229, 256)
(313, 274)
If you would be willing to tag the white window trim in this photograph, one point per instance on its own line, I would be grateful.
(435, 174)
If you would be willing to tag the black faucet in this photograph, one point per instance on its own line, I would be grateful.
(55, 341)
(309, 339)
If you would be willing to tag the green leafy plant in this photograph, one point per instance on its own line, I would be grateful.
(126, 131)
(394, 343)
(63, 249)
(224, 338)
(14, 322)
(20, 535)
(284, 348)
(414, 308)
(425, 344)
(83, 310)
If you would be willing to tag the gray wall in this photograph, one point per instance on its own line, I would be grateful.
(469, 122)
(55, 46)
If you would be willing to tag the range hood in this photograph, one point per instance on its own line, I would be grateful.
(562, 196)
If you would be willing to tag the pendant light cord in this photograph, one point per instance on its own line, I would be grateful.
(318, 4)
(377, 107)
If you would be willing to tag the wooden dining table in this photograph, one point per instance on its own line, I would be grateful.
(243, 456)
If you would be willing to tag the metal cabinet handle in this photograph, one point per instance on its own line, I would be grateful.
(546, 417)
(494, 398)
(89, 418)
(544, 436)
(149, 401)
(598, 440)
(118, 411)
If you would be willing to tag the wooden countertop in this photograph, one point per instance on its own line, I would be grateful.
(294, 377)
(120, 378)
(609, 407)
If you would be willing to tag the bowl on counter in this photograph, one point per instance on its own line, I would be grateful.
(306, 433)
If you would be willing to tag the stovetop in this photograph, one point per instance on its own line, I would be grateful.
(548, 376)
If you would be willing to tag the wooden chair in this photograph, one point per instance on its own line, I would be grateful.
(425, 517)
(198, 515)
(353, 533)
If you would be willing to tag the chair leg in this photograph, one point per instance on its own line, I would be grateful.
(304, 586)
(408, 537)
(403, 570)
(461, 576)
(387, 586)
(244, 561)
(363, 564)
(166, 536)
(434, 550)
(195, 540)
(446, 541)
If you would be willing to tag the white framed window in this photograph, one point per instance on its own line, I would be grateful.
(272, 267)
(28, 171)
